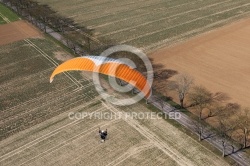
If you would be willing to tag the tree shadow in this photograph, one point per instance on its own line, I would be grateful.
(208, 136)
(161, 76)
(221, 97)
(241, 149)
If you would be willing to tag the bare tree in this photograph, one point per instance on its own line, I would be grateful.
(28, 6)
(226, 128)
(73, 40)
(223, 135)
(200, 98)
(181, 85)
(15, 4)
(227, 124)
(199, 128)
(243, 128)
(43, 13)
(62, 24)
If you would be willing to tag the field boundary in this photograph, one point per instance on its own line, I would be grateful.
(163, 43)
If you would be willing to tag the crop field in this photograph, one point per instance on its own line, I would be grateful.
(148, 24)
(36, 130)
(27, 97)
(6, 15)
(62, 141)
(2, 20)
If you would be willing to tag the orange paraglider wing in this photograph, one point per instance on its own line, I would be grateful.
(107, 66)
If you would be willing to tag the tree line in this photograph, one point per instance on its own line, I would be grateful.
(43, 16)
(232, 122)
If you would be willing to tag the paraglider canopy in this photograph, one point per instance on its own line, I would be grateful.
(107, 66)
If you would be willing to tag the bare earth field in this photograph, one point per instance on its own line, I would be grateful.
(218, 60)
(148, 24)
(16, 31)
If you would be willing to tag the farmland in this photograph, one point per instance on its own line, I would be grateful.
(218, 60)
(130, 142)
(150, 24)
(35, 128)
(25, 89)
(16, 31)
(6, 14)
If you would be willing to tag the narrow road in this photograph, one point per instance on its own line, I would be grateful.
(240, 157)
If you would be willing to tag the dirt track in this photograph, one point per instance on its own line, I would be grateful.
(218, 60)
(16, 31)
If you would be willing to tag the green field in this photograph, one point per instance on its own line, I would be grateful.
(150, 23)
(2, 20)
(6, 12)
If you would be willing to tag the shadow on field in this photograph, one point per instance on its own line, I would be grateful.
(161, 76)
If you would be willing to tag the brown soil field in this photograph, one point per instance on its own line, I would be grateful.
(218, 60)
(16, 31)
